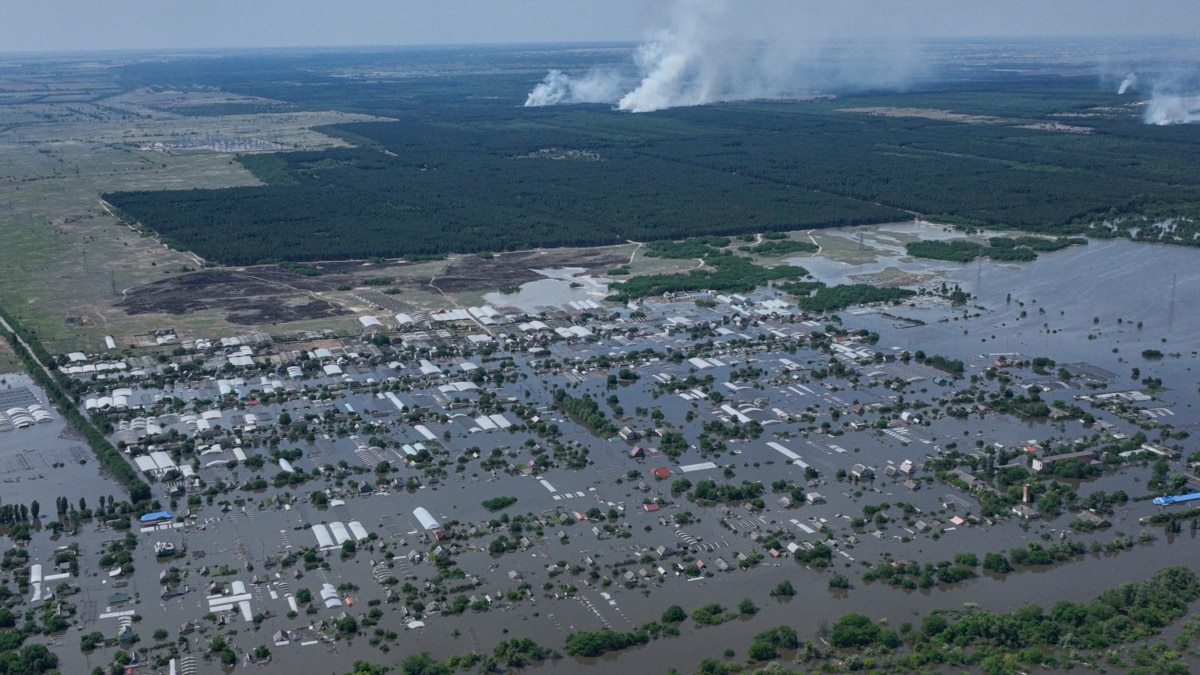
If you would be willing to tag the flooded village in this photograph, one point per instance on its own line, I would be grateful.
(547, 463)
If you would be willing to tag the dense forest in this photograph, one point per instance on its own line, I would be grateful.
(465, 168)
(460, 191)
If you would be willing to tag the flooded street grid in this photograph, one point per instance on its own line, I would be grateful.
(583, 572)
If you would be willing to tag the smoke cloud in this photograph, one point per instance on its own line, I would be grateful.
(1128, 83)
(559, 88)
(716, 50)
(1165, 109)
(696, 60)
(1174, 97)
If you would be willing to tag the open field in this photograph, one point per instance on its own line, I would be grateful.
(265, 295)
(253, 297)
(62, 254)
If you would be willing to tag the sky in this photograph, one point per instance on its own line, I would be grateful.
(74, 25)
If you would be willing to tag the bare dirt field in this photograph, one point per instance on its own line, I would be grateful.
(948, 116)
(1055, 126)
(467, 274)
(269, 295)
(892, 277)
(265, 295)
(926, 113)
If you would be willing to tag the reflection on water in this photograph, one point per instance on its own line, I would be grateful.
(1103, 303)
(562, 285)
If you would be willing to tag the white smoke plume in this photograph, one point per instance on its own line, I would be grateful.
(559, 88)
(1130, 82)
(1165, 109)
(719, 50)
(696, 60)
(1174, 97)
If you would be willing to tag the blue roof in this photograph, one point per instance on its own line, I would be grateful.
(157, 515)
(1167, 500)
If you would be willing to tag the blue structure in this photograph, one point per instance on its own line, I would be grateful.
(157, 516)
(1167, 500)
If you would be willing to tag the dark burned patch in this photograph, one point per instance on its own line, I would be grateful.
(345, 266)
(269, 294)
(283, 312)
(255, 296)
(472, 274)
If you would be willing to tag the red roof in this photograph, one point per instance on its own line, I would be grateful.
(650, 507)
(661, 472)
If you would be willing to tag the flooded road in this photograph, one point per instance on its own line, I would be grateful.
(407, 441)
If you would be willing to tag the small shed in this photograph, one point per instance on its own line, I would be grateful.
(1093, 518)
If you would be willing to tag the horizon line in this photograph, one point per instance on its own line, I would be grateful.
(577, 43)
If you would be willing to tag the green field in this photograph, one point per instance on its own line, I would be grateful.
(61, 252)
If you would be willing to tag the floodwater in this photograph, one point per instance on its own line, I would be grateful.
(560, 287)
(1115, 279)
(1103, 303)
(1106, 280)
(47, 460)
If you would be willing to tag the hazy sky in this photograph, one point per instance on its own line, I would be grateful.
(56, 25)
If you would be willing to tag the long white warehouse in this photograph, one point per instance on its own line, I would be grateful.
(322, 534)
(340, 534)
(788, 453)
(425, 518)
